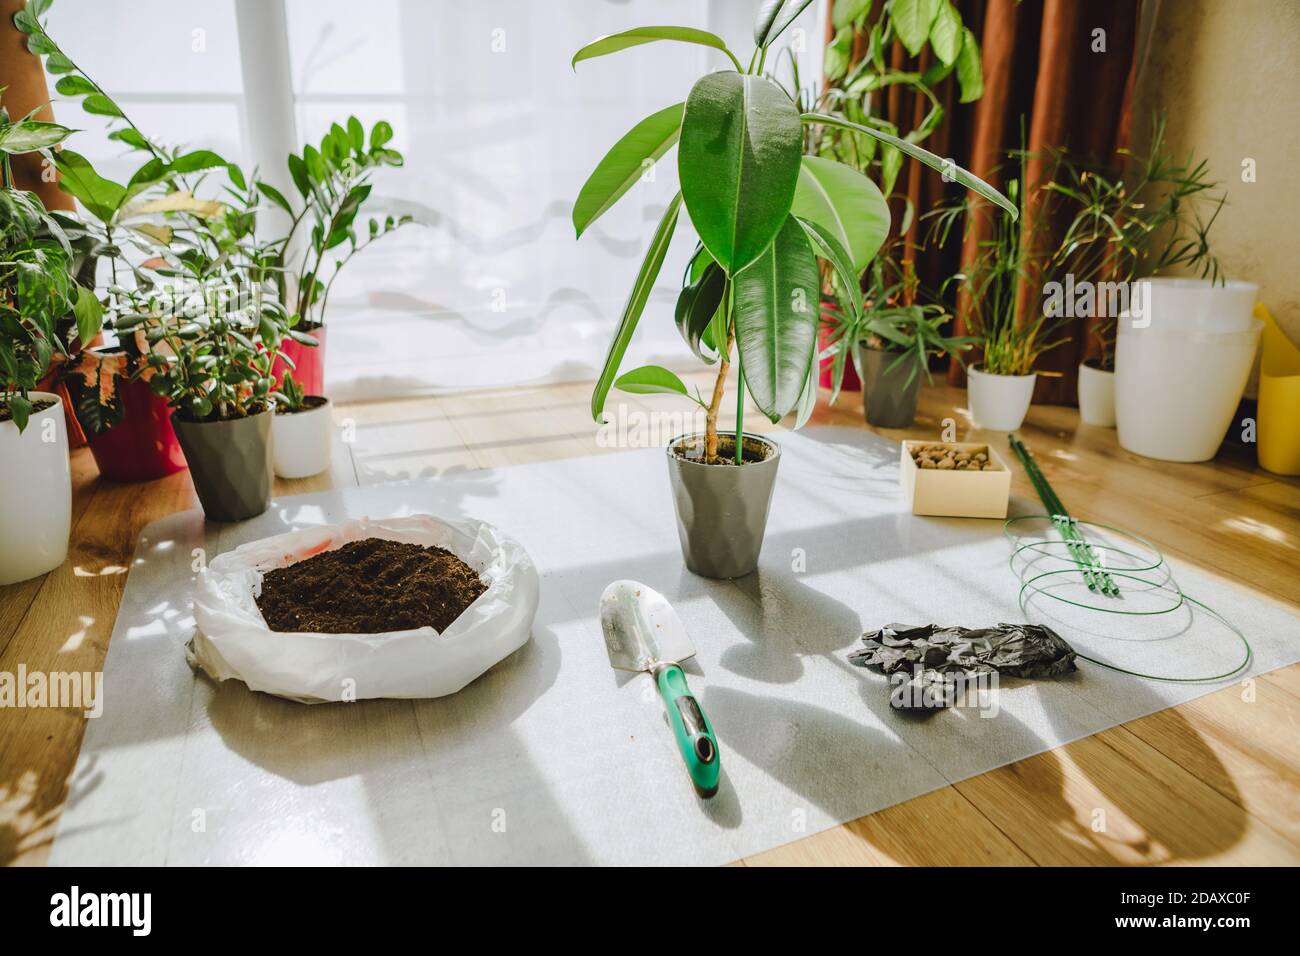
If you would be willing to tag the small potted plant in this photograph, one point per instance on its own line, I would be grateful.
(765, 214)
(333, 181)
(1009, 337)
(38, 292)
(300, 431)
(1136, 217)
(891, 344)
(212, 345)
(894, 356)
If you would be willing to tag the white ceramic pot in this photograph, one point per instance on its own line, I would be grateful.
(999, 402)
(300, 441)
(1193, 305)
(1096, 396)
(36, 496)
(1176, 392)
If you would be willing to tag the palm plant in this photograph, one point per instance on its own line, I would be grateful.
(765, 213)
(1139, 217)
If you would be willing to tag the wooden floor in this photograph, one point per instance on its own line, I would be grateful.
(1216, 780)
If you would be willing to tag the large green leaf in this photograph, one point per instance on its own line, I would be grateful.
(89, 313)
(948, 168)
(623, 165)
(846, 204)
(830, 249)
(697, 305)
(945, 33)
(652, 380)
(776, 305)
(773, 18)
(970, 69)
(912, 20)
(30, 135)
(629, 38)
(78, 178)
(650, 266)
(738, 161)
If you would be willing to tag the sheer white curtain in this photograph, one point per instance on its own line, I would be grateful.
(499, 133)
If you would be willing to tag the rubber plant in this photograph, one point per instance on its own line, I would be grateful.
(764, 212)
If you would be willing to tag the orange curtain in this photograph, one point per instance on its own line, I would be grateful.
(1040, 64)
(22, 77)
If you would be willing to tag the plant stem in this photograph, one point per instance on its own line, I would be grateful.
(740, 408)
(711, 416)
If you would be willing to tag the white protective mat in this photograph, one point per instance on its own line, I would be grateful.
(552, 757)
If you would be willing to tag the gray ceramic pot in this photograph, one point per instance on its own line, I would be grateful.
(888, 398)
(722, 509)
(230, 462)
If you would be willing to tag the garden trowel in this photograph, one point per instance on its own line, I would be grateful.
(644, 633)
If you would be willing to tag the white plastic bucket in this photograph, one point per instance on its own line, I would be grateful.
(1193, 305)
(1176, 392)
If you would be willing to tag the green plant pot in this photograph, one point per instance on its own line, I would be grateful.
(888, 398)
(722, 509)
(230, 462)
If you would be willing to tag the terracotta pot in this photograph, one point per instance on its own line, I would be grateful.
(308, 363)
(143, 445)
(851, 383)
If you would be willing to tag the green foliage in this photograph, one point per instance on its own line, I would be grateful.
(764, 214)
(42, 308)
(289, 397)
(333, 181)
(1138, 216)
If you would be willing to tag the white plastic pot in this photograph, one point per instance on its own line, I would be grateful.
(300, 441)
(1194, 305)
(1096, 396)
(999, 402)
(1176, 392)
(36, 495)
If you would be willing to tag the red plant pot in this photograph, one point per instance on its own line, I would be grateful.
(830, 315)
(142, 446)
(308, 363)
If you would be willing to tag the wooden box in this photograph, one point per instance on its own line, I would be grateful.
(953, 492)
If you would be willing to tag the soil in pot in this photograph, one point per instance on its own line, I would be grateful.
(692, 449)
(309, 403)
(368, 587)
(38, 405)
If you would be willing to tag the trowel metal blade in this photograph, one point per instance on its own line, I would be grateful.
(641, 628)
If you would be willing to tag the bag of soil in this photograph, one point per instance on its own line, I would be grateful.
(233, 640)
(943, 660)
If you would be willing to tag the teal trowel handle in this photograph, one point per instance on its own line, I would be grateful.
(695, 740)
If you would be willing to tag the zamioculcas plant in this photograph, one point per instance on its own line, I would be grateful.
(765, 214)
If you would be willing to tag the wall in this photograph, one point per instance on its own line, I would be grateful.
(1228, 75)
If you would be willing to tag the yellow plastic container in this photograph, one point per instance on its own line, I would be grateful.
(1278, 419)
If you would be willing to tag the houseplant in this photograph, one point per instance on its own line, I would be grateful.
(38, 293)
(858, 80)
(890, 344)
(1011, 330)
(333, 181)
(1141, 215)
(300, 431)
(764, 213)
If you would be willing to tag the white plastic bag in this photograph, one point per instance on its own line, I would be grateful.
(233, 639)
